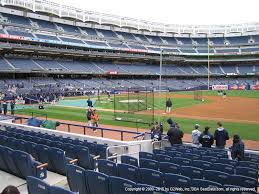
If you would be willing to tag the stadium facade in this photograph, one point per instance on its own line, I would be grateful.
(45, 43)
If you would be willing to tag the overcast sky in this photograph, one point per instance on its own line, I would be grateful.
(177, 12)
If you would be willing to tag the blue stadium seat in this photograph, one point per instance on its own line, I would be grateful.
(9, 161)
(3, 165)
(147, 163)
(85, 160)
(163, 158)
(249, 172)
(243, 181)
(175, 180)
(158, 151)
(150, 177)
(58, 160)
(227, 161)
(191, 172)
(27, 167)
(31, 149)
(170, 148)
(168, 167)
(223, 168)
(101, 150)
(97, 182)
(129, 160)
(43, 155)
(11, 143)
(174, 154)
(248, 164)
(191, 156)
(59, 190)
(128, 172)
(201, 164)
(21, 145)
(119, 185)
(182, 161)
(57, 144)
(76, 179)
(92, 148)
(70, 150)
(37, 186)
(210, 159)
(217, 176)
(146, 155)
(107, 167)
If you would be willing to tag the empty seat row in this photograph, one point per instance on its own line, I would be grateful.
(187, 158)
(21, 164)
(169, 180)
(37, 186)
(55, 157)
(56, 141)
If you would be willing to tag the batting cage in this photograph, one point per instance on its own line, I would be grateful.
(134, 105)
(197, 94)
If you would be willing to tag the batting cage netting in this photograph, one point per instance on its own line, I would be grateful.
(134, 105)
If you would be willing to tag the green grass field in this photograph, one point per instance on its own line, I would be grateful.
(246, 131)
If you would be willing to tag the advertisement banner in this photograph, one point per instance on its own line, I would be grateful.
(242, 87)
(255, 87)
(233, 87)
(219, 87)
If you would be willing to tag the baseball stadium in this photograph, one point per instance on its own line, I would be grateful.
(96, 103)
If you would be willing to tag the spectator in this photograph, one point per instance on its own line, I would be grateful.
(12, 105)
(221, 136)
(156, 132)
(175, 134)
(195, 135)
(171, 122)
(89, 117)
(237, 149)
(206, 139)
(10, 190)
(89, 103)
(168, 106)
(5, 107)
(95, 119)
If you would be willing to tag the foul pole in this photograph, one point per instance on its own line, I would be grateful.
(159, 86)
(208, 64)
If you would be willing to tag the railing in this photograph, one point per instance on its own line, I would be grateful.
(85, 128)
(122, 148)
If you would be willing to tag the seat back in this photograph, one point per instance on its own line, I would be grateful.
(175, 180)
(227, 161)
(9, 161)
(69, 150)
(168, 167)
(31, 149)
(248, 164)
(101, 150)
(163, 158)
(97, 182)
(37, 186)
(24, 164)
(3, 165)
(129, 160)
(243, 181)
(121, 185)
(216, 176)
(151, 177)
(201, 164)
(205, 184)
(182, 161)
(76, 179)
(249, 172)
(58, 160)
(158, 151)
(223, 168)
(148, 163)
(43, 155)
(192, 172)
(107, 167)
(128, 172)
(84, 159)
(146, 155)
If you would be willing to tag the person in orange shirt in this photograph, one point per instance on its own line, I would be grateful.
(95, 119)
